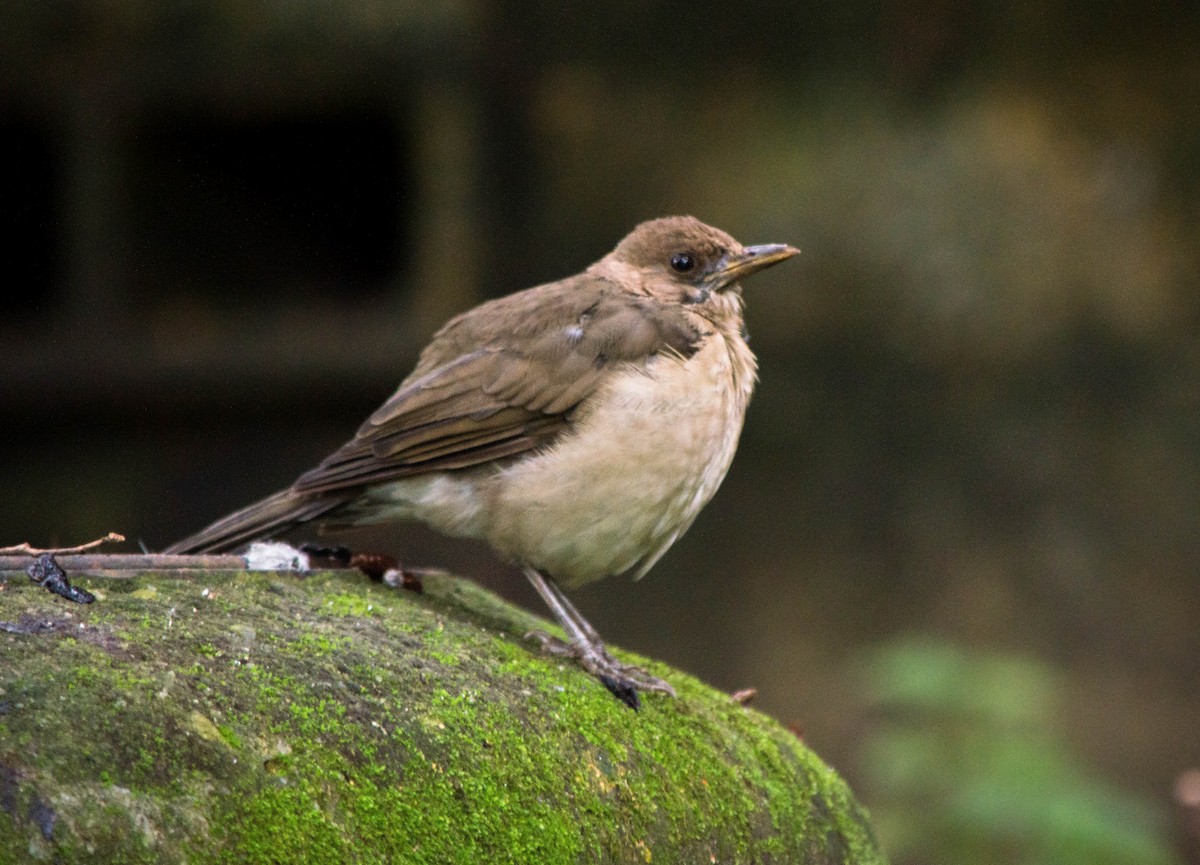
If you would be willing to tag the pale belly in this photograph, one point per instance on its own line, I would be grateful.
(611, 497)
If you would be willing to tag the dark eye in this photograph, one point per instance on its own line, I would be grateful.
(682, 262)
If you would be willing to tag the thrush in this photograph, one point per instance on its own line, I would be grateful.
(578, 427)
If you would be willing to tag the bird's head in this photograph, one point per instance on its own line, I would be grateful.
(680, 258)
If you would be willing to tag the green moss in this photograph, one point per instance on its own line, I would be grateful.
(322, 645)
(348, 604)
(255, 718)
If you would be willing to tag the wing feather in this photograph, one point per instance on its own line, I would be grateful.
(504, 379)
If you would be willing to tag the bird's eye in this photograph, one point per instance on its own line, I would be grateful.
(682, 262)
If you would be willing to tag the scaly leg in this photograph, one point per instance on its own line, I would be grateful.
(586, 647)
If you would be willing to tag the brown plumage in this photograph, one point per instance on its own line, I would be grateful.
(577, 426)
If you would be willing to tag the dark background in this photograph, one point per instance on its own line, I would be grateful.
(229, 229)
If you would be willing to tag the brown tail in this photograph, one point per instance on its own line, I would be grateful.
(272, 515)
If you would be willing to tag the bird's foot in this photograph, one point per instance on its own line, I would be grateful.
(622, 680)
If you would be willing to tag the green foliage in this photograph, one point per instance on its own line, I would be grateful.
(966, 765)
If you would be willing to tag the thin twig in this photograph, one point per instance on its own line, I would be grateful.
(26, 550)
(132, 563)
(127, 565)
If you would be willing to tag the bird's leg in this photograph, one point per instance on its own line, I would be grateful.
(586, 647)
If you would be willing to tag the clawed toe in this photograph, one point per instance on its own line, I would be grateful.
(622, 680)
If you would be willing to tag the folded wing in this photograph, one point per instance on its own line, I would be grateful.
(494, 384)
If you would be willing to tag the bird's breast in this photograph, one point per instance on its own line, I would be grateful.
(647, 452)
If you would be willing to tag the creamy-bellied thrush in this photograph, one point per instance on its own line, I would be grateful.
(578, 427)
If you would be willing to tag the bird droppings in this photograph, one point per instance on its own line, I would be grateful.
(276, 556)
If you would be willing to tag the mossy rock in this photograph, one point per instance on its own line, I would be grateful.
(270, 717)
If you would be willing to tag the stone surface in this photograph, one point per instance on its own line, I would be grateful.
(254, 717)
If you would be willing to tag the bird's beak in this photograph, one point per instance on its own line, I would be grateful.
(751, 259)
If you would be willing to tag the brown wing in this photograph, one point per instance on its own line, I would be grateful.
(503, 379)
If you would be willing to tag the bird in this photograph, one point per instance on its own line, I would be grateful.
(577, 427)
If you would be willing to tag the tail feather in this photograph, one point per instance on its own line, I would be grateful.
(274, 514)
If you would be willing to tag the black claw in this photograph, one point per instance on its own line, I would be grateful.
(623, 690)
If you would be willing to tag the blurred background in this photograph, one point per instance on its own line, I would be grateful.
(959, 548)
